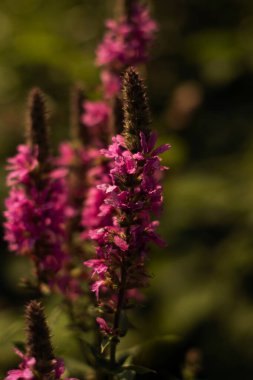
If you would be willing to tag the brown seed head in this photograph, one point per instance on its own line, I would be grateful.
(37, 128)
(135, 109)
(38, 343)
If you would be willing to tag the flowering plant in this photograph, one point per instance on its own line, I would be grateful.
(94, 203)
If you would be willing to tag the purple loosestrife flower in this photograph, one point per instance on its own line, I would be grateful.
(127, 40)
(95, 213)
(96, 118)
(96, 113)
(78, 158)
(82, 170)
(72, 154)
(73, 162)
(125, 43)
(38, 362)
(34, 209)
(26, 370)
(133, 194)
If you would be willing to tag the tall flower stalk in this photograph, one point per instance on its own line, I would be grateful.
(38, 360)
(94, 124)
(34, 214)
(134, 194)
(94, 194)
(126, 42)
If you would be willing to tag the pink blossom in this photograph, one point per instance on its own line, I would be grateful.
(133, 193)
(59, 369)
(95, 213)
(103, 325)
(96, 287)
(111, 83)
(127, 41)
(21, 165)
(66, 155)
(27, 371)
(98, 266)
(95, 113)
(121, 243)
(35, 213)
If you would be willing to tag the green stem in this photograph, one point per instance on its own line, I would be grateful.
(117, 316)
(72, 318)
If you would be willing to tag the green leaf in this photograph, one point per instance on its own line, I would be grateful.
(105, 344)
(124, 358)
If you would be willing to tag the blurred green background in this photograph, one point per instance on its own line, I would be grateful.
(200, 81)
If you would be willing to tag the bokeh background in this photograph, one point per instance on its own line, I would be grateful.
(200, 81)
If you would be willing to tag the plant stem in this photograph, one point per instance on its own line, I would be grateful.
(117, 316)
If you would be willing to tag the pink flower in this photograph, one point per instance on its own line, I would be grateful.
(111, 83)
(121, 243)
(35, 213)
(95, 213)
(21, 165)
(66, 156)
(95, 113)
(103, 325)
(133, 193)
(25, 371)
(127, 42)
(59, 369)
(27, 368)
(96, 287)
(97, 265)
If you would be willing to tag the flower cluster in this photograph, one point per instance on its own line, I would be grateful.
(125, 43)
(133, 195)
(77, 159)
(73, 162)
(96, 118)
(90, 192)
(26, 370)
(38, 361)
(96, 113)
(36, 205)
(34, 214)
(95, 213)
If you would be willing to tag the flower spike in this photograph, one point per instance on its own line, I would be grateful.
(37, 127)
(38, 338)
(38, 360)
(136, 110)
